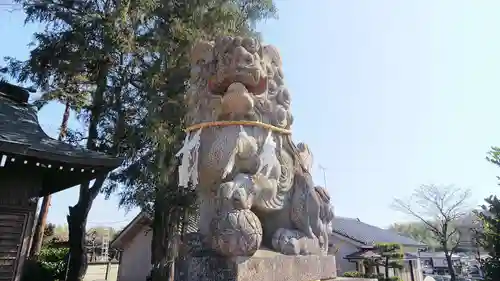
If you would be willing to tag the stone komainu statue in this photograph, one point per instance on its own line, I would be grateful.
(254, 184)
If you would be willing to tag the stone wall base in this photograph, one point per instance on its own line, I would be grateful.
(263, 266)
(353, 279)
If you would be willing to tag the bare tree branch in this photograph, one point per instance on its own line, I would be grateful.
(440, 209)
(406, 208)
(458, 238)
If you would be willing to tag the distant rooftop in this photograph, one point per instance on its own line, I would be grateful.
(433, 255)
(368, 234)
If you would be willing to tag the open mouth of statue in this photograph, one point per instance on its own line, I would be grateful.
(251, 77)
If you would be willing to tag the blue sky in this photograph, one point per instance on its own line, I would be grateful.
(388, 94)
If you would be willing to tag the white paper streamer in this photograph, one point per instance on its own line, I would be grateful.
(242, 138)
(187, 170)
(268, 155)
(195, 149)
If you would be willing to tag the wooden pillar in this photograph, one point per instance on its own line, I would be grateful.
(36, 243)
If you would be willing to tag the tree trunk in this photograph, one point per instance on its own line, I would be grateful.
(163, 243)
(78, 257)
(158, 243)
(449, 261)
(36, 245)
(77, 218)
(77, 221)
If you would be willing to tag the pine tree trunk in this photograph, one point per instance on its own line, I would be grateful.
(163, 244)
(36, 244)
(78, 258)
(77, 218)
(158, 243)
(77, 221)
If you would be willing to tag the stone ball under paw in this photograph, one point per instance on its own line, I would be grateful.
(236, 233)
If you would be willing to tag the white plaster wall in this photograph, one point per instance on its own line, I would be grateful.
(344, 249)
(136, 258)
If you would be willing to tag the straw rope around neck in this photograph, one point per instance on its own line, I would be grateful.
(236, 123)
(188, 168)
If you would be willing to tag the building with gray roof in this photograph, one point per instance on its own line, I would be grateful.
(352, 240)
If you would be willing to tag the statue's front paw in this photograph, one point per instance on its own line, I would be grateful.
(285, 241)
(294, 242)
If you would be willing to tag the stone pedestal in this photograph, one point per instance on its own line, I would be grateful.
(354, 279)
(263, 266)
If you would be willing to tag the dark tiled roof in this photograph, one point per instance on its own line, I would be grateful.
(372, 254)
(22, 137)
(368, 234)
(363, 254)
(21, 134)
